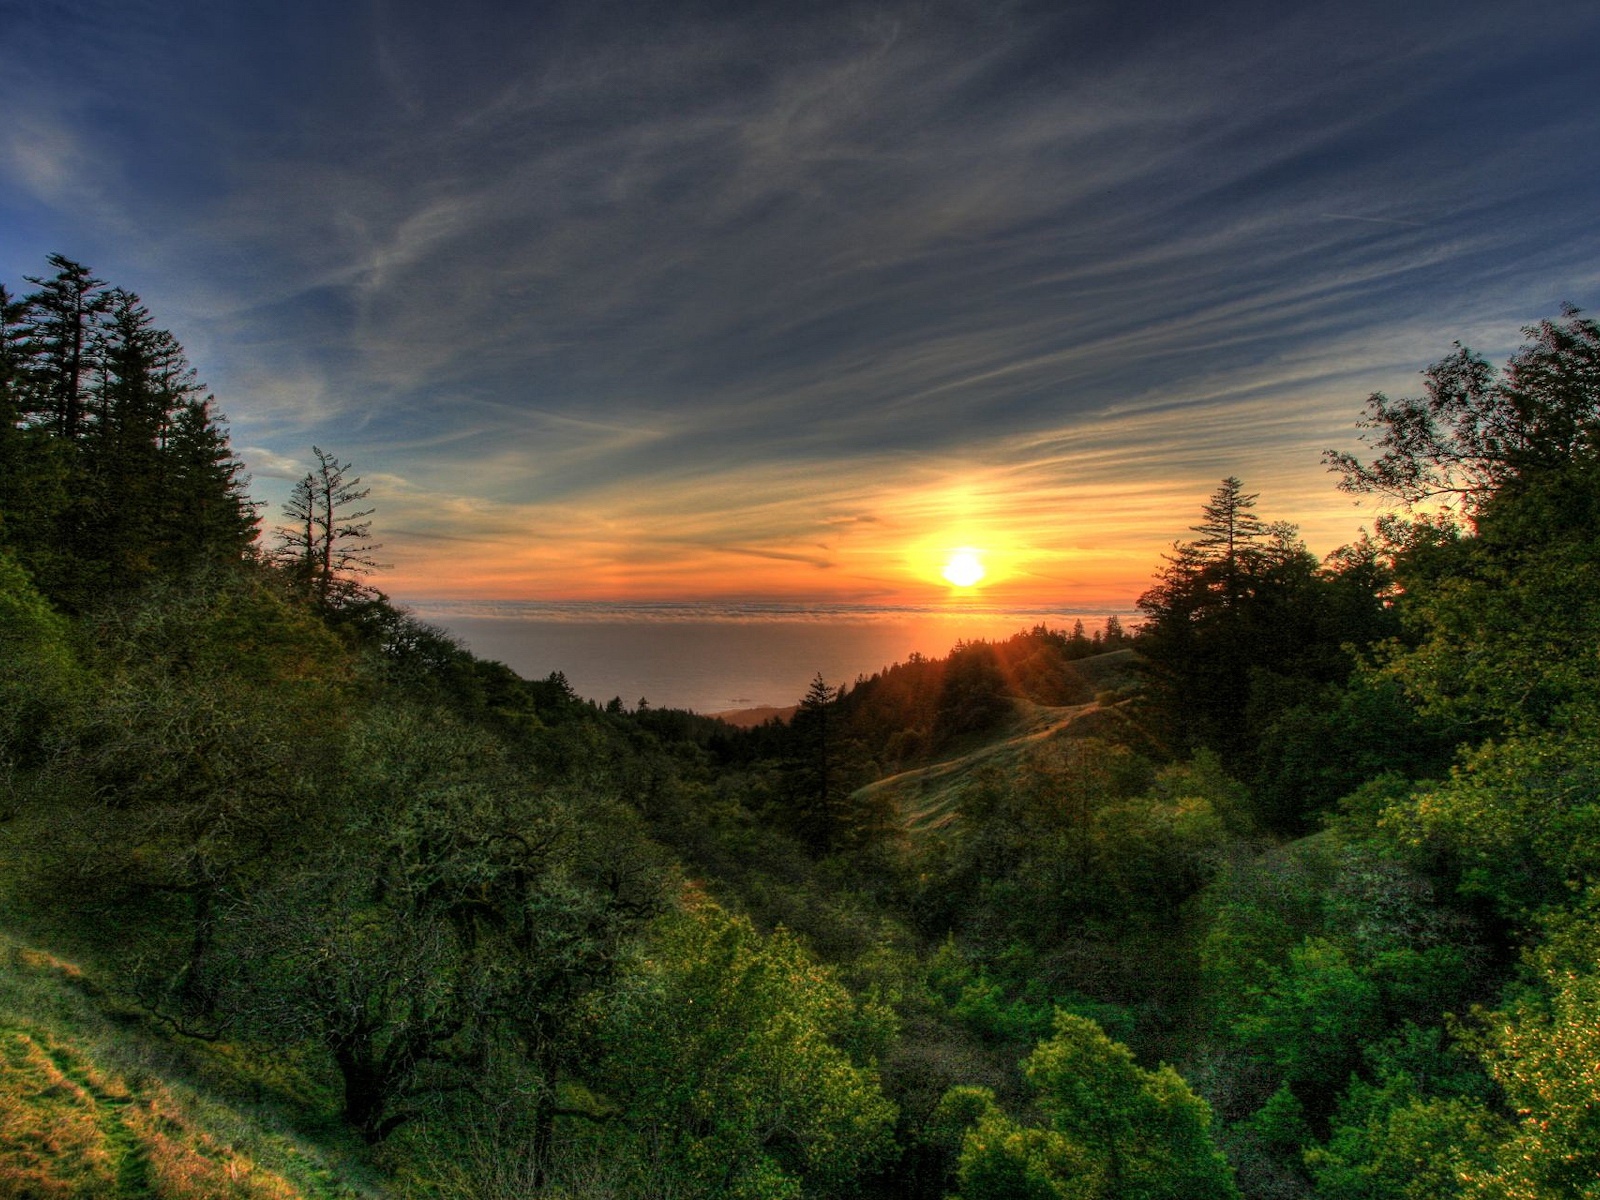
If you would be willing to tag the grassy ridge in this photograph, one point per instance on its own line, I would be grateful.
(927, 798)
(95, 1103)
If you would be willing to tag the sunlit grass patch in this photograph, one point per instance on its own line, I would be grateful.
(52, 1142)
(37, 960)
(183, 1162)
(68, 1129)
(95, 1104)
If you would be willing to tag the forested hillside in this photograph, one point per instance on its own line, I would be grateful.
(1291, 892)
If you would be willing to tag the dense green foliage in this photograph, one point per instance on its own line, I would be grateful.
(1306, 907)
(1114, 1130)
(114, 464)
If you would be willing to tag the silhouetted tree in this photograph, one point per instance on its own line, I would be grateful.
(1229, 535)
(103, 420)
(1475, 430)
(326, 539)
(1230, 527)
(141, 377)
(207, 512)
(1243, 626)
(62, 318)
(816, 732)
(32, 465)
(13, 358)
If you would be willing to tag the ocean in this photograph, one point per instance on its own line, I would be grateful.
(716, 658)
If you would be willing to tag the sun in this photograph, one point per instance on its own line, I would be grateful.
(964, 568)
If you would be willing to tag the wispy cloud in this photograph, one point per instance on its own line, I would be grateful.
(268, 464)
(665, 299)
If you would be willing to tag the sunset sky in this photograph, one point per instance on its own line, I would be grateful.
(794, 300)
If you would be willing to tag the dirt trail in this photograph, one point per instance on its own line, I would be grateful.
(925, 795)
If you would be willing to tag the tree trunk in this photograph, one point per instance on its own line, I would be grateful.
(198, 995)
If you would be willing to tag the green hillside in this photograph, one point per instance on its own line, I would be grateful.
(97, 1100)
(928, 798)
(1291, 894)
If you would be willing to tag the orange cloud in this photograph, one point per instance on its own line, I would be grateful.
(1077, 519)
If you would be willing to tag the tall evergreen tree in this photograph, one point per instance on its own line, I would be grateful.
(13, 358)
(1230, 528)
(817, 731)
(27, 491)
(63, 316)
(43, 343)
(1242, 625)
(208, 512)
(140, 377)
(1230, 533)
(112, 468)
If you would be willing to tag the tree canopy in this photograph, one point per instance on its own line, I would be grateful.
(114, 461)
(1291, 894)
(1476, 432)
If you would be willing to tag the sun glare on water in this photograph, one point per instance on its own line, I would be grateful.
(964, 568)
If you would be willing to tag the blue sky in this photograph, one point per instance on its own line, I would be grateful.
(790, 300)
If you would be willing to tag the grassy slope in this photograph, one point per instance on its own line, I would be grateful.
(97, 1102)
(929, 797)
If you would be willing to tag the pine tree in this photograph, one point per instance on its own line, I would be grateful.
(14, 363)
(140, 377)
(815, 726)
(1230, 528)
(33, 468)
(326, 540)
(13, 359)
(207, 514)
(1198, 640)
(111, 466)
(63, 316)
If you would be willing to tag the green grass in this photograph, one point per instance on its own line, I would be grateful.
(97, 1103)
(1110, 671)
(928, 798)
